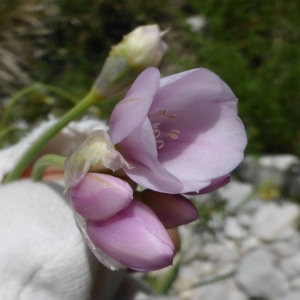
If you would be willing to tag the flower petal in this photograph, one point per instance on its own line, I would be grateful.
(132, 110)
(140, 151)
(214, 185)
(134, 237)
(172, 210)
(100, 196)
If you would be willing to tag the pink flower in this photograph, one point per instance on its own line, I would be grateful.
(134, 237)
(179, 134)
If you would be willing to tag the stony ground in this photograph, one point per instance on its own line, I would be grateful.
(252, 250)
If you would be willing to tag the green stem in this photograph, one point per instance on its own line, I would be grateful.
(91, 98)
(44, 162)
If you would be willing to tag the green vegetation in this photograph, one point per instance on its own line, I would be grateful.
(253, 45)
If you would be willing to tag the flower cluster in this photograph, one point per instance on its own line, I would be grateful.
(177, 135)
(130, 232)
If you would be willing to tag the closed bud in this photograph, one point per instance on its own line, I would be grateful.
(140, 49)
(134, 237)
(100, 196)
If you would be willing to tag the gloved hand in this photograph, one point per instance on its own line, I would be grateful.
(42, 254)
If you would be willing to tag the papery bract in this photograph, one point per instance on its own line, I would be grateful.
(100, 196)
(179, 133)
(172, 210)
(95, 154)
(134, 237)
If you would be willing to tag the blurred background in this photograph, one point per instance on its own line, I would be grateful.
(52, 51)
(253, 45)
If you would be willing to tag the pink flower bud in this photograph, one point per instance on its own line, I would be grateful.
(99, 196)
(172, 210)
(134, 237)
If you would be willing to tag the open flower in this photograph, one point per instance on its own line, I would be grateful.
(179, 134)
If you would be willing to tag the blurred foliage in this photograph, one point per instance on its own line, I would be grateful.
(253, 45)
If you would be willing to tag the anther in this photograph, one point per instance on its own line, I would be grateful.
(162, 112)
(160, 144)
(172, 117)
(156, 132)
(174, 134)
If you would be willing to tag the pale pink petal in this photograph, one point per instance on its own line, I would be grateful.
(132, 110)
(214, 185)
(214, 152)
(139, 147)
(100, 196)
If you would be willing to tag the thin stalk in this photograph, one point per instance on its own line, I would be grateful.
(46, 161)
(91, 98)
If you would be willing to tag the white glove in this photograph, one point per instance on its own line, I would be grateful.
(42, 254)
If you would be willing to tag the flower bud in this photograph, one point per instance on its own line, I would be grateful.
(141, 48)
(134, 237)
(172, 210)
(99, 196)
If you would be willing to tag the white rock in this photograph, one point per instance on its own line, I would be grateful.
(249, 243)
(257, 276)
(272, 219)
(282, 249)
(290, 266)
(229, 252)
(266, 168)
(190, 275)
(222, 290)
(244, 220)
(287, 234)
(235, 193)
(295, 283)
(233, 229)
(280, 162)
(293, 295)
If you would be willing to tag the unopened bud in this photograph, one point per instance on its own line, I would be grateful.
(140, 49)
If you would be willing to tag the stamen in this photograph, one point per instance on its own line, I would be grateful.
(156, 132)
(172, 117)
(155, 125)
(174, 134)
(162, 112)
(160, 144)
